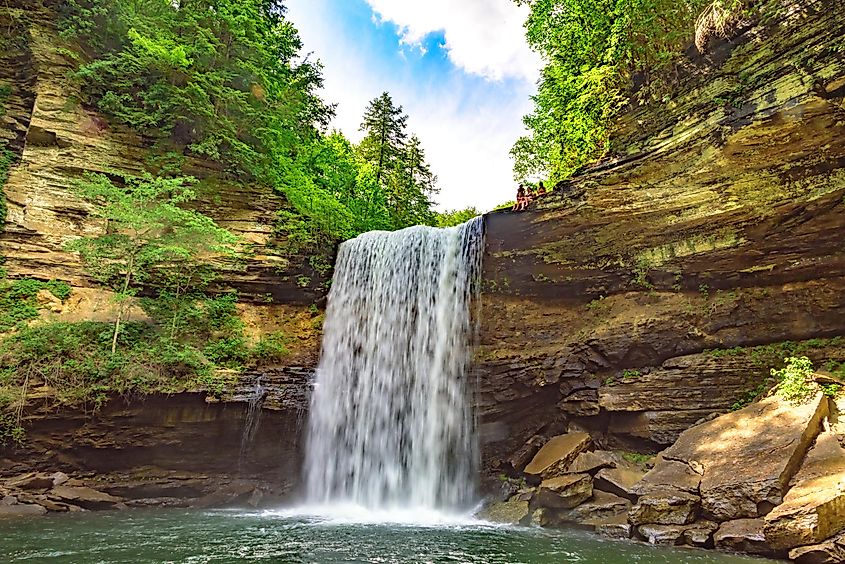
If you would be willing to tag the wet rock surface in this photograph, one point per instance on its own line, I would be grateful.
(743, 535)
(170, 451)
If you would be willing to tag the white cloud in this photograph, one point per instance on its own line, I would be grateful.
(483, 37)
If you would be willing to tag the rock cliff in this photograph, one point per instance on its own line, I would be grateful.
(660, 287)
(135, 447)
(55, 140)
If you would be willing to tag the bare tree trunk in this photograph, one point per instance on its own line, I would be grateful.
(122, 305)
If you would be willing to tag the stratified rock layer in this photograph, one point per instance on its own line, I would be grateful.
(660, 287)
(56, 141)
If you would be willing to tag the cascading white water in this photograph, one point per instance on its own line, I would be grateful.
(391, 424)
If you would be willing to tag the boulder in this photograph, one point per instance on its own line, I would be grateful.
(21, 510)
(59, 478)
(54, 506)
(618, 481)
(84, 497)
(668, 473)
(545, 517)
(747, 458)
(526, 453)
(742, 535)
(556, 455)
(813, 510)
(617, 530)
(513, 512)
(829, 552)
(31, 481)
(700, 534)
(665, 507)
(662, 534)
(592, 462)
(601, 508)
(564, 492)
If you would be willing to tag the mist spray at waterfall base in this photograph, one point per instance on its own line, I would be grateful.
(391, 433)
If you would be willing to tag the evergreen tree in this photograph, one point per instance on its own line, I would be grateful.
(384, 142)
(411, 204)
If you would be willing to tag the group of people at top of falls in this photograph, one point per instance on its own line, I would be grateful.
(527, 194)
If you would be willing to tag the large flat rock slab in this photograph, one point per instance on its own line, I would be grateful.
(747, 458)
(556, 455)
(831, 551)
(619, 481)
(742, 535)
(511, 512)
(668, 474)
(665, 507)
(564, 492)
(814, 508)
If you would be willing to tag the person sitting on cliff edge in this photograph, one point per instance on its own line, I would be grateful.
(541, 189)
(521, 199)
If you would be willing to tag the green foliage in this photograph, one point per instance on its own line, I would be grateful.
(452, 218)
(591, 50)
(75, 359)
(11, 430)
(637, 458)
(398, 162)
(271, 347)
(599, 306)
(831, 390)
(629, 374)
(227, 81)
(641, 271)
(795, 379)
(18, 303)
(217, 78)
(150, 238)
(748, 397)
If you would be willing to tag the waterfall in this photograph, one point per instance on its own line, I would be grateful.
(391, 424)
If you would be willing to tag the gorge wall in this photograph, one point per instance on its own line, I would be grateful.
(660, 287)
(647, 293)
(160, 446)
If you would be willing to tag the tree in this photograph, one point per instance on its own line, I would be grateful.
(591, 49)
(148, 237)
(452, 218)
(401, 172)
(412, 185)
(384, 142)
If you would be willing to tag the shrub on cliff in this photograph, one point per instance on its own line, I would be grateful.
(226, 81)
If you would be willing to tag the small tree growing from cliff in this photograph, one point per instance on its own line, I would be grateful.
(148, 238)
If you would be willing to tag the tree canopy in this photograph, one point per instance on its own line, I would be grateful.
(226, 80)
(591, 49)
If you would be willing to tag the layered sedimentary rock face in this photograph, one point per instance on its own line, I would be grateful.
(56, 140)
(659, 288)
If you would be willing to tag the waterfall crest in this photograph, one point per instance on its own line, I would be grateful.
(391, 424)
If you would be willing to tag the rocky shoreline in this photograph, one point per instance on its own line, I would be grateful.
(766, 480)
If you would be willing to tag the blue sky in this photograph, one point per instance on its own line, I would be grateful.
(460, 68)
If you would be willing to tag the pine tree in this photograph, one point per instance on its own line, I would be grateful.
(384, 143)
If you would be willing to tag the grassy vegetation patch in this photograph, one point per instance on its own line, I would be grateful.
(19, 303)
